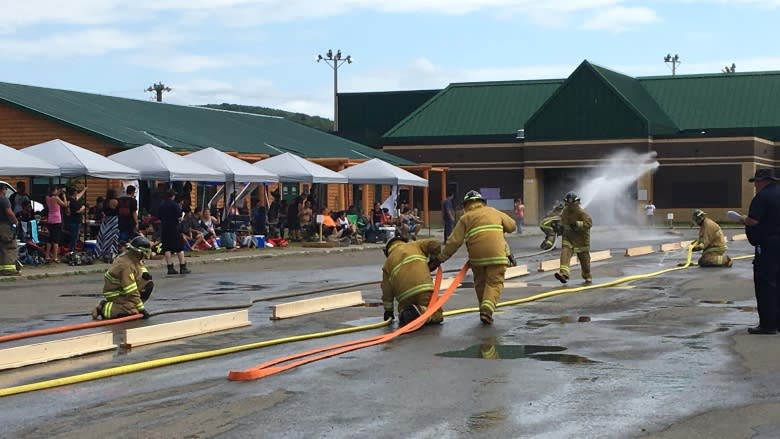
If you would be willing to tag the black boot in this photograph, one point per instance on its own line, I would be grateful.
(97, 313)
(408, 314)
(183, 269)
(172, 270)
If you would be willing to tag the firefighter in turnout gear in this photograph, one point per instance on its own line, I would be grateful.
(407, 279)
(551, 226)
(711, 242)
(576, 224)
(482, 228)
(128, 284)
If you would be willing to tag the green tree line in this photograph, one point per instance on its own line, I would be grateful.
(317, 122)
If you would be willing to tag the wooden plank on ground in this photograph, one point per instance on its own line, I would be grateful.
(317, 304)
(516, 271)
(600, 255)
(555, 264)
(739, 237)
(639, 251)
(445, 283)
(56, 350)
(672, 246)
(185, 328)
(685, 244)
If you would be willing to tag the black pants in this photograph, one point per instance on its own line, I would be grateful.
(766, 279)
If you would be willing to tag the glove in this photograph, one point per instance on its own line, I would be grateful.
(433, 264)
(145, 313)
(146, 275)
(147, 291)
(388, 316)
(573, 226)
(734, 216)
(512, 261)
(558, 229)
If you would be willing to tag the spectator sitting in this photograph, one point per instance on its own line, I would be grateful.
(192, 239)
(330, 229)
(410, 224)
(207, 226)
(342, 222)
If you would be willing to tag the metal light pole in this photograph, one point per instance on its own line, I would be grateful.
(674, 60)
(335, 61)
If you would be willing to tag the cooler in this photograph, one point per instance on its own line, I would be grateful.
(90, 245)
(260, 239)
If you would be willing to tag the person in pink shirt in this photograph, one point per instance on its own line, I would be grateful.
(55, 201)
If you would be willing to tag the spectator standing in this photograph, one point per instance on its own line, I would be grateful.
(519, 215)
(260, 219)
(108, 236)
(127, 210)
(448, 215)
(762, 225)
(73, 220)
(8, 250)
(306, 215)
(54, 204)
(19, 197)
(650, 213)
(293, 220)
(169, 213)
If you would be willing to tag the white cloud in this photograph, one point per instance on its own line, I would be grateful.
(188, 63)
(69, 44)
(620, 19)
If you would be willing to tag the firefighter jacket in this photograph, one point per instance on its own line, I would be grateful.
(711, 237)
(576, 225)
(552, 221)
(406, 272)
(482, 228)
(125, 277)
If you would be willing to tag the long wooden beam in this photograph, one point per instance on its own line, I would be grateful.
(185, 328)
(317, 304)
(555, 264)
(56, 350)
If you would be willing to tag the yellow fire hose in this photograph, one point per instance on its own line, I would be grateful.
(151, 364)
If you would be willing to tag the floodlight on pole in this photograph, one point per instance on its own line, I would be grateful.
(335, 61)
(674, 60)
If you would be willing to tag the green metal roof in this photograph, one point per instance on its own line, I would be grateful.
(718, 101)
(130, 122)
(474, 110)
(364, 117)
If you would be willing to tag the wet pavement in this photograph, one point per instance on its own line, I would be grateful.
(662, 357)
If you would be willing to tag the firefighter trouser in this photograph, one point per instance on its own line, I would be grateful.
(422, 300)
(488, 283)
(122, 305)
(584, 258)
(8, 250)
(714, 258)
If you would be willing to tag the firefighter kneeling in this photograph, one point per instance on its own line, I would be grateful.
(128, 284)
(711, 242)
(407, 279)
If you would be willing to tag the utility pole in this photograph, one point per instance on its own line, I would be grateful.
(674, 60)
(335, 61)
(158, 88)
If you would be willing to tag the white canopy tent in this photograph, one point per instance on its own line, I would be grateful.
(17, 163)
(155, 163)
(235, 169)
(292, 168)
(75, 161)
(376, 171)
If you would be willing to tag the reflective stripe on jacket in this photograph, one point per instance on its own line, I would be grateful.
(405, 272)
(123, 277)
(482, 228)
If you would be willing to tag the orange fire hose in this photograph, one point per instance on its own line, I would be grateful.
(66, 328)
(270, 368)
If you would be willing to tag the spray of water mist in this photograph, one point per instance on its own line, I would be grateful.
(608, 192)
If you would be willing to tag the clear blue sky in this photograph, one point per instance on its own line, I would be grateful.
(262, 52)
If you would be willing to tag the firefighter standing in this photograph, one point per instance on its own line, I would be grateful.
(711, 242)
(576, 225)
(127, 283)
(482, 228)
(551, 226)
(406, 278)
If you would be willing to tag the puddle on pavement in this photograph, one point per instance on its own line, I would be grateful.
(227, 286)
(493, 351)
(718, 302)
(541, 323)
(699, 335)
(487, 419)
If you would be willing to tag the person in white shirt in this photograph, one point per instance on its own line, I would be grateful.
(650, 213)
